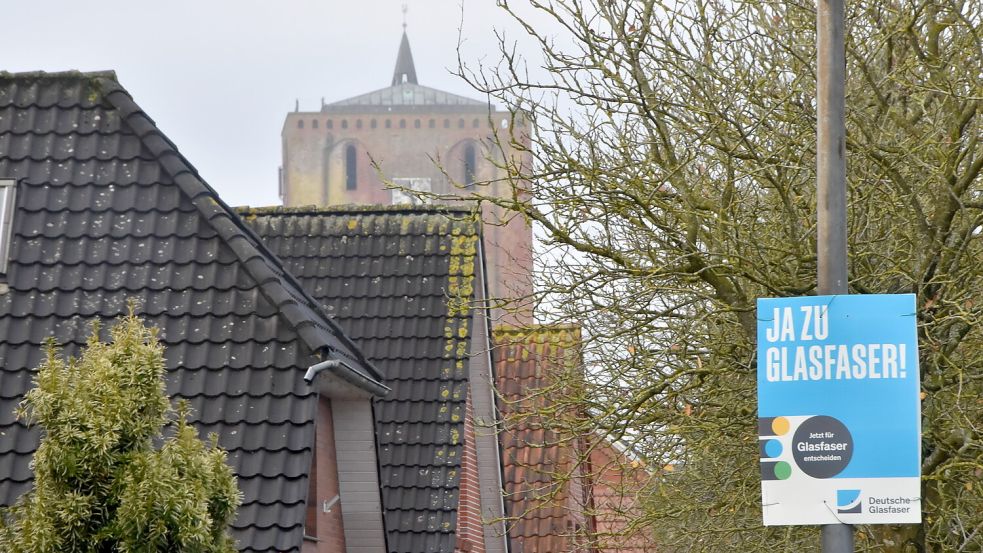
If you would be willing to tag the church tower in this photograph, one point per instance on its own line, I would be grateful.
(422, 139)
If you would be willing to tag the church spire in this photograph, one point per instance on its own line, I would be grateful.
(405, 71)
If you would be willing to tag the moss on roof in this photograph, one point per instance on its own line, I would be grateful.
(351, 208)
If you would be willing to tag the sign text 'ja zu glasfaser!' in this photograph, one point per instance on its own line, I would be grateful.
(839, 414)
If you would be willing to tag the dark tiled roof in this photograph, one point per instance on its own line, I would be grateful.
(533, 364)
(108, 210)
(387, 275)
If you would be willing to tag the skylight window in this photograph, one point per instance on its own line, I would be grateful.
(8, 198)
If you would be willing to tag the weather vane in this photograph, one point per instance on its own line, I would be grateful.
(405, 9)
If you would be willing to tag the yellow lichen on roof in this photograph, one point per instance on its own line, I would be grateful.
(462, 255)
(565, 335)
(425, 210)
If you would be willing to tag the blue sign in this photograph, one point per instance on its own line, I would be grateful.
(839, 410)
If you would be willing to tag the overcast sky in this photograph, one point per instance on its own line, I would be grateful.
(219, 76)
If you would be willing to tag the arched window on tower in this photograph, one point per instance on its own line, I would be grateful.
(470, 164)
(351, 168)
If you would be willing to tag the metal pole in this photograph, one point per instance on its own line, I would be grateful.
(831, 185)
(837, 538)
(831, 148)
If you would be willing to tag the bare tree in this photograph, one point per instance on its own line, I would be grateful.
(674, 183)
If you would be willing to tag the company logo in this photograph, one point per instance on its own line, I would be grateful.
(848, 501)
(770, 431)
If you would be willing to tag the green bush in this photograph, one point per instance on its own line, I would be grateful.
(117, 469)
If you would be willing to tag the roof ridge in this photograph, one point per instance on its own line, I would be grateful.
(66, 74)
(464, 101)
(352, 209)
(243, 242)
(537, 327)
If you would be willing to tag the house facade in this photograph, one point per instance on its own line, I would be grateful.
(343, 355)
(102, 209)
(406, 282)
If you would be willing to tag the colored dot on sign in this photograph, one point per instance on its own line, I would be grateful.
(782, 470)
(773, 448)
(779, 426)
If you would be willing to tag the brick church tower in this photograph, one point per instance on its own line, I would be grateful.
(366, 150)
(419, 138)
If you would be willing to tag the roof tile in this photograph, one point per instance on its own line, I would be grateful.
(539, 503)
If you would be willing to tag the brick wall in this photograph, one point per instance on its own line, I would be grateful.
(617, 482)
(470, 534)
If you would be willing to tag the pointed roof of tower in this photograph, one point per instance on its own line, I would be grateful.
(406, 93)
(405, 71)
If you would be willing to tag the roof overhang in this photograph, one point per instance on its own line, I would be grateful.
(335, 378)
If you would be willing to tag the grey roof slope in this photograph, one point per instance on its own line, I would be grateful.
(407, 97)
(399, 280)
(108, 210)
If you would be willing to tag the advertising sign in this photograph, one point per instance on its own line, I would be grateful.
(839, 413)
